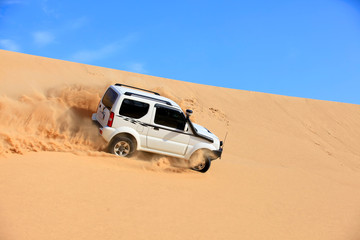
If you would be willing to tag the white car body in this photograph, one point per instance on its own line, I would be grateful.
(150, 120)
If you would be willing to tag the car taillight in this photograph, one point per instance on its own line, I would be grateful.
(111, 119)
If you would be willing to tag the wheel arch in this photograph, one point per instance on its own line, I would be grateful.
(207, 148)
(203, 151)
(129, 133)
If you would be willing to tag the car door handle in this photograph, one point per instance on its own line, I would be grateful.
(156, 128)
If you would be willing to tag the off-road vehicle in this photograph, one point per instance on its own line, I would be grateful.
(133, 119)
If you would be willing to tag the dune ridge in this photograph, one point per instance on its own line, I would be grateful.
(290, 168)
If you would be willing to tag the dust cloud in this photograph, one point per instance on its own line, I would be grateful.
(58, 119)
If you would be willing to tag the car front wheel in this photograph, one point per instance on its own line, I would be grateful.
(203, 165)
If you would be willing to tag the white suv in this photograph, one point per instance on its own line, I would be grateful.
(131, 119)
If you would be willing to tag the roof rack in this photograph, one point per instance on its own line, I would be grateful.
(123, 85)
(150, 98)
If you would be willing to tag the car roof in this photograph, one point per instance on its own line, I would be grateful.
(146, 95)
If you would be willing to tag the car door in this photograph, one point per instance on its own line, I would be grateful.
(166, 132)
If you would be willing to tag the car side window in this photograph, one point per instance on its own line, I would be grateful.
(133, 109)
(170, 118)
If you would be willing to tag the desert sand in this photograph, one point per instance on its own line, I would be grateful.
(290, 167)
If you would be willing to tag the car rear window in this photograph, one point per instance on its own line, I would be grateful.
(109, 98)
(133, 109)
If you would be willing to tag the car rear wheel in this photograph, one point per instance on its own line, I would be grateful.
(122, 146)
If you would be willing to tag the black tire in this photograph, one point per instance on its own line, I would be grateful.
(122, 146)
(204, 166)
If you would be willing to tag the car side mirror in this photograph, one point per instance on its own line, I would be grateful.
(188, 113)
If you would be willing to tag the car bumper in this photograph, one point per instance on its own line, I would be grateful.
(216, 154)
(105, 132)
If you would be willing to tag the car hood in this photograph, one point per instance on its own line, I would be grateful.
(203, 131)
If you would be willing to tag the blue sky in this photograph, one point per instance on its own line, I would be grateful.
(302, 48)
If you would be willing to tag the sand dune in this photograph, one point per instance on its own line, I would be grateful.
(290, 168)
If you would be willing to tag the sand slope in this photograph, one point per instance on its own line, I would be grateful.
(290, 169)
